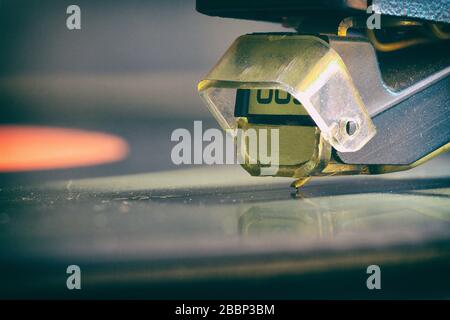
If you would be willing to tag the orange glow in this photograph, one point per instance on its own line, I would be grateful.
(27, 148)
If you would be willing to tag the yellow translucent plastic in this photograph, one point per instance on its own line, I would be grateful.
(304, 66)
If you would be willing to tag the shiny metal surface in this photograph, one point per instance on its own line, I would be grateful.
(422, 9)
(361, 60)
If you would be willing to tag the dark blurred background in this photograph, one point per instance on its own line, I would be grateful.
(132, 70)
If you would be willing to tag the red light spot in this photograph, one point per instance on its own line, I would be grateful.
(27, 148)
